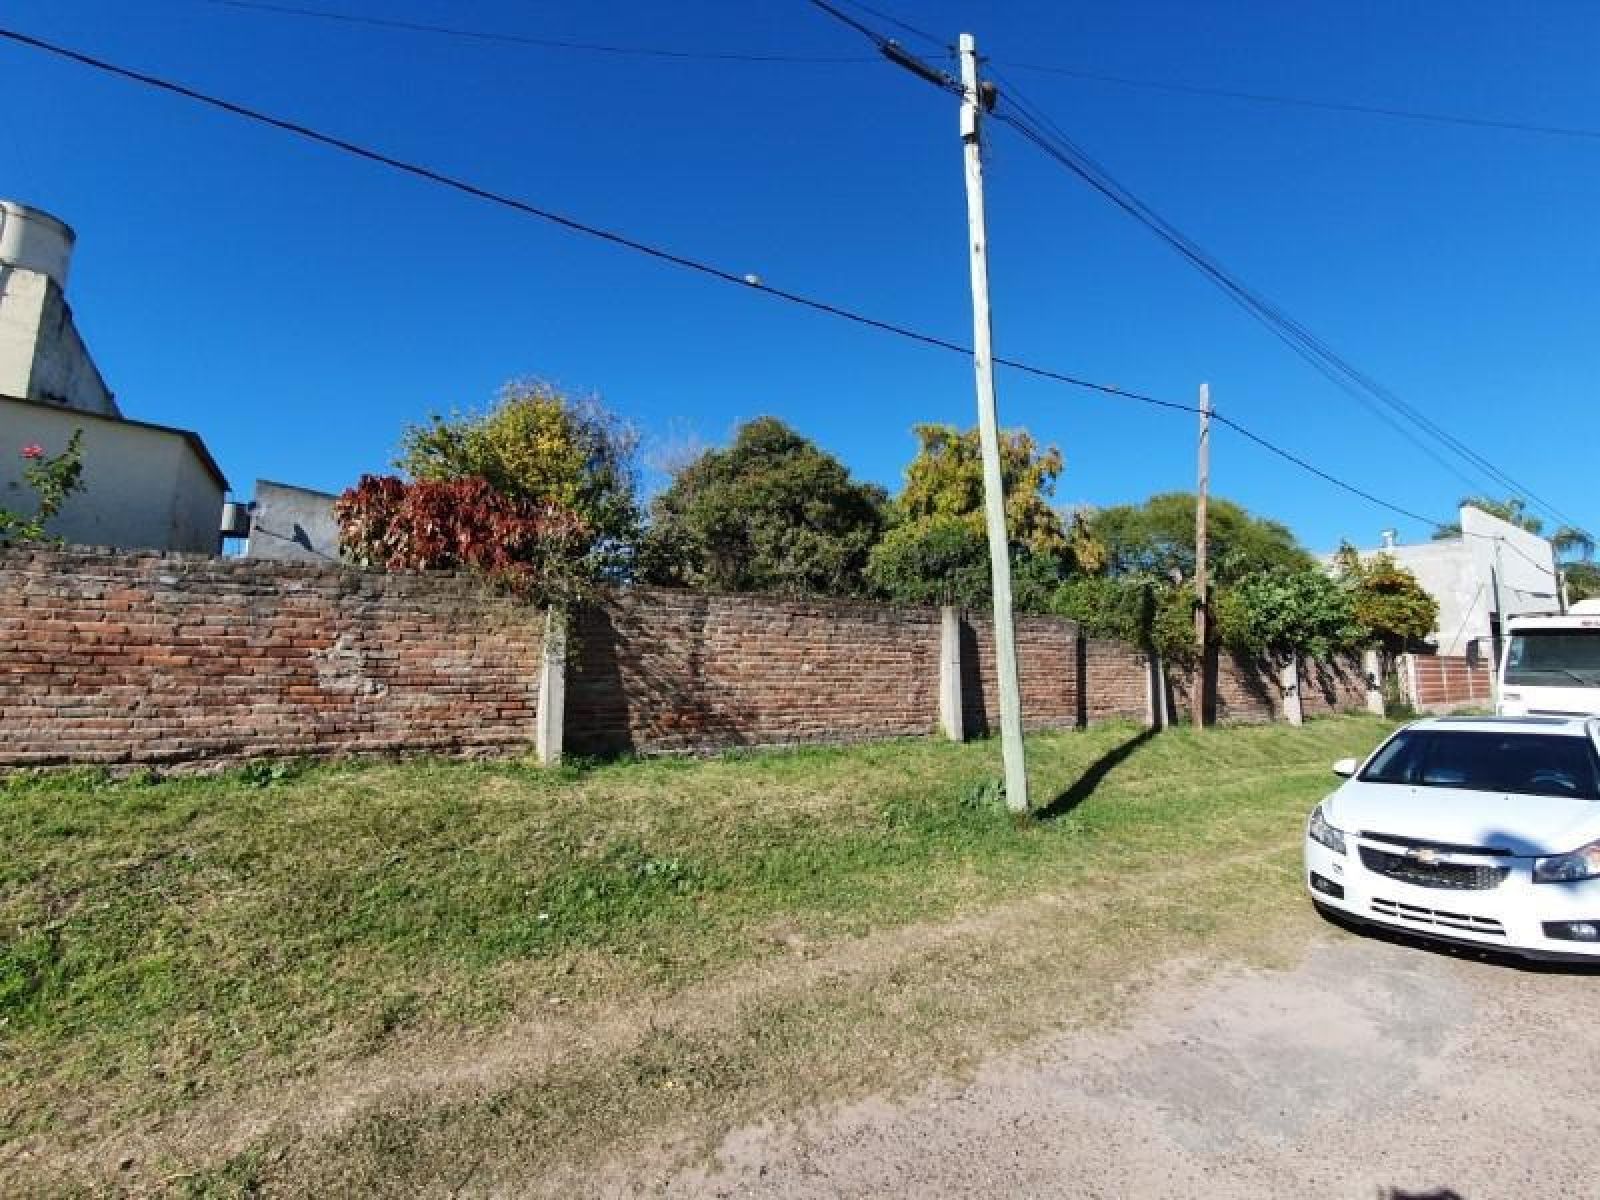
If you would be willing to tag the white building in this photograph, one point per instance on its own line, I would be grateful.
(145, 486)
(1494, 568)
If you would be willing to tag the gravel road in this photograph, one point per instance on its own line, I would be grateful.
(1371, 1069)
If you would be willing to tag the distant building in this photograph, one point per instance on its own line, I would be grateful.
(1492, 566)
(145, 486)
(293, 524)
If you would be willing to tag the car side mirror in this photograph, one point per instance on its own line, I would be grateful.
(1346, 767)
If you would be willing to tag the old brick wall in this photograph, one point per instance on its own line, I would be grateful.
(1248, 691)
(148, 658)
(1334, 686)
(145, 658)
(1064, 681)
(655, 670)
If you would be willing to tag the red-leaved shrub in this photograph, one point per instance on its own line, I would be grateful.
(433, 525)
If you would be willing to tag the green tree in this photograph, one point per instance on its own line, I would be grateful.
(1152, 613)
(938, 560)
(1513, 510)
(1282, 612)
(537, 445)
(1386, 600)
(945, 479)
(938, 551)
(772, 512)
(1583, 580)
(1156, 539)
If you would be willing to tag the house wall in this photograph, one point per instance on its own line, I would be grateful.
(292, 524)
(144, 488)
(1447, 572)
(42, 355)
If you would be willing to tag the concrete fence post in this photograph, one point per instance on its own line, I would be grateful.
(1409, 690)
(1156, 714)
(950, 716)
(1289, 681)
(1372, 668)
(550, 726)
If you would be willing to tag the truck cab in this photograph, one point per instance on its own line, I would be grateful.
(1550, 665)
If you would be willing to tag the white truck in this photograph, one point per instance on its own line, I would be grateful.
(1550, 665)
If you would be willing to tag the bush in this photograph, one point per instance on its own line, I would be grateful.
(539, 446)
(52, 479)
(533, 548)
(942, 560)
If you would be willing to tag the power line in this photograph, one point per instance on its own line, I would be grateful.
(932, 39)
(430, 175)
(1318, 353)
(514, 39)
(1049, 138)
(1077, 161)
(1371, 110)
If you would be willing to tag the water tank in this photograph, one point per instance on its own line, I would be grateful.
(35, 241)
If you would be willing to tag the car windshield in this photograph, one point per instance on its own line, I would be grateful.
(1554, 658)
(1538, 764)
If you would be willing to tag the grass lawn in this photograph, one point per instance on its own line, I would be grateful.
(435, 977)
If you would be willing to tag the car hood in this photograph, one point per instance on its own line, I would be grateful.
(1525, 825)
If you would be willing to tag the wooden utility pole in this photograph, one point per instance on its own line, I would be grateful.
(994, 499)
(1202, 590)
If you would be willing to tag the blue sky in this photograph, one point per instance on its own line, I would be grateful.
(298, 307)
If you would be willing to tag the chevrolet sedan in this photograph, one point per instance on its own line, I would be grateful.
(1475, 830)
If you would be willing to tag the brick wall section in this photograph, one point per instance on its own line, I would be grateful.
(118, 658)
(1248, 692)
(1056, 670)
(1445, 682)
(657, 670)
(1339, 685)
(148, 658)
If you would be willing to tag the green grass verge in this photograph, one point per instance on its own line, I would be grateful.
(170, 944)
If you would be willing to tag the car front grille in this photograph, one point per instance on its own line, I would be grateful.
(1465, 877)
(1438, 918)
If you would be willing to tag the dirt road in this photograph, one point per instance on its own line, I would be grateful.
(1370, 1069)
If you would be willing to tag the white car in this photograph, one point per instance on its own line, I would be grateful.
(1480, 830)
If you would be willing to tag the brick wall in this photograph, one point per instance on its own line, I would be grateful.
(116, 658)
(148, 658)
(1249, 692)
(1064, 682)
(654, 670)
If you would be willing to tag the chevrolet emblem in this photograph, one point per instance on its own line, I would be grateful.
(1425, 855)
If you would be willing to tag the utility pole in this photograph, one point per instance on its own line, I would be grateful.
(1498, 627)
(973, 104)
(1202, 593)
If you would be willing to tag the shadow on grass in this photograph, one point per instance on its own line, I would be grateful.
(1093, 775)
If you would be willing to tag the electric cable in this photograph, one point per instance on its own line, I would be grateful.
(481, 35)
(1371, 110)
(430, 175)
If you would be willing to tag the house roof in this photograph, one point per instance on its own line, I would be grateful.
(195, 442)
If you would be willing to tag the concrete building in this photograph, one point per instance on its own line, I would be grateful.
(42, 356)
(292, 524)
(1493, 568)
(145, 486)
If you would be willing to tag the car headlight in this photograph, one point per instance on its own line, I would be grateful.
(1320, 831)
(1582, 863)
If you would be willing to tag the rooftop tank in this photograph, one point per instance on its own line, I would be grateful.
(35, 241)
